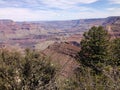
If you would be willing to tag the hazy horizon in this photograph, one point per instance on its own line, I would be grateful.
(53, 10)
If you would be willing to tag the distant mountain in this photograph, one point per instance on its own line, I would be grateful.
(28, 34)
(58, 40)
(112, 20)
(112, 24)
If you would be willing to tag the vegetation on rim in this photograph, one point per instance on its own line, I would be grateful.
(99, 67)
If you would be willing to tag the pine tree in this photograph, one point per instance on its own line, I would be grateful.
(94, 48)
(116, 52)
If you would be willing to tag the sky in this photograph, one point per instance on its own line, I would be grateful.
(45, 10)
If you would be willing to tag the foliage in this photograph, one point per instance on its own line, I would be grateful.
(99, 60)
(28, 72)
(99, 67)
(94, 48)
(115, 51)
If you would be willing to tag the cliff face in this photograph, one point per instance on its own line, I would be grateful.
(112, 24)
(43, 35)
(28, 34)
(21, 29)
(63, 54)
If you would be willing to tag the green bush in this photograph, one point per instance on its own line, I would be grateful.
(24, 72)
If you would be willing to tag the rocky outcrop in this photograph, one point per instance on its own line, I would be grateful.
(63, 54)
(23, 33)
(112, 24)
(42, 35)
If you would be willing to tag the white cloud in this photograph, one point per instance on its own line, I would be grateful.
(113, 11)
(67, 9)
(22, 14)
(49, 3)
(110, 9)
(70, 2)
(65, 4)
(114, 1)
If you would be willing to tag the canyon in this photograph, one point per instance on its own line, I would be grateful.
(58, 40)
(40, 34)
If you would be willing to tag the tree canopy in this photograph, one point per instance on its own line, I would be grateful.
(99, 60)
(29, 72)
(94, 47)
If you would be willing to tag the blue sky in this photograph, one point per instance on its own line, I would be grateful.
(36, 10)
